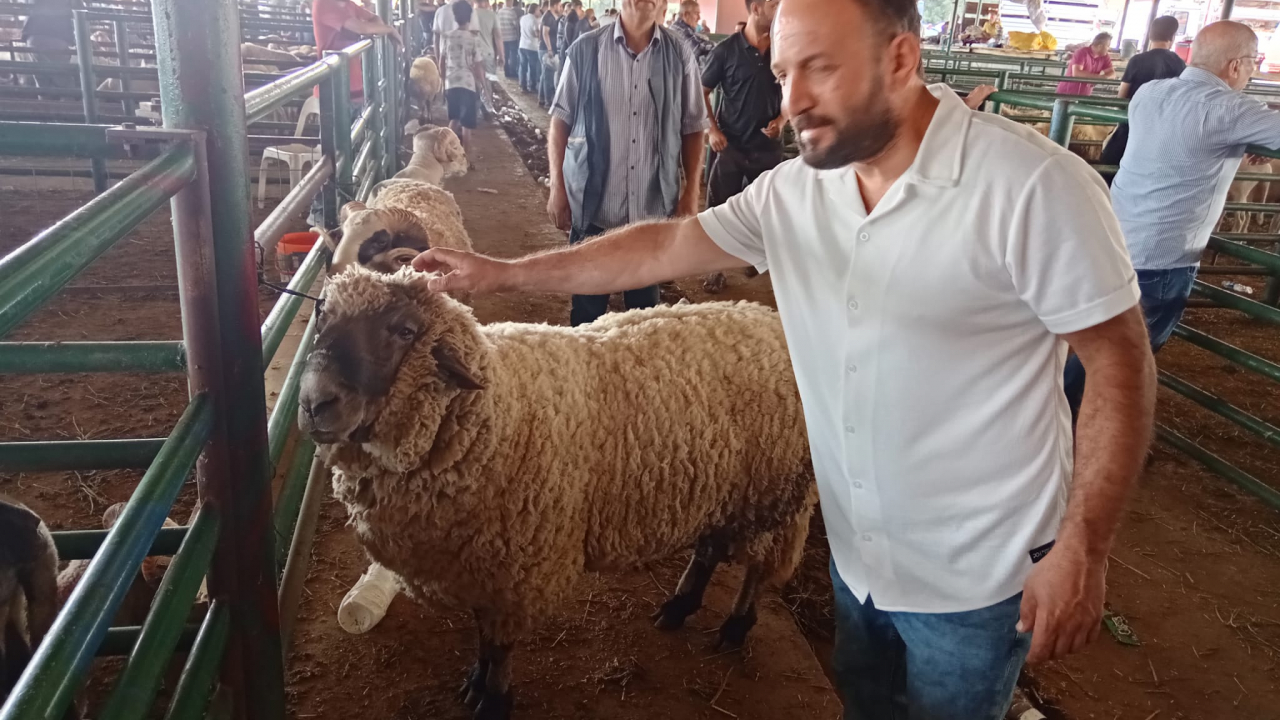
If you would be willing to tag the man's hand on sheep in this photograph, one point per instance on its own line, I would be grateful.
(465, 272)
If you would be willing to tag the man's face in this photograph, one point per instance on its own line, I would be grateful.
(835, 88)
(691, 17)
(642, 8)
(762, 15)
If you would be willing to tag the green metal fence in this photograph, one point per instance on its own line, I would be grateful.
(1249, 261)
(240, 537)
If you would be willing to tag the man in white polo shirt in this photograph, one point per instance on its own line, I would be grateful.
(931, 265)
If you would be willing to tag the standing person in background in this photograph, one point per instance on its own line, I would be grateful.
(1093, 61)
(463, 70)
(443, 25)
(588, 22)
(567, 29)
(530, 63)
(550, 53)
(426, 17)
(509, 27)
(1188, 136)
(628, 118)
(610, 17)
(1157, 63)
(685, 27)
(49, 31)
(746, 130)
(484, 22)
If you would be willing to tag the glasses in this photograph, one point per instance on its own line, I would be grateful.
(1257, 59)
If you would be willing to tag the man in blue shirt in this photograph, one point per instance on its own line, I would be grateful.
(1187, 136)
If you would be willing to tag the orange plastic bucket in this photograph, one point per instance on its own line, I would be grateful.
(292, 250)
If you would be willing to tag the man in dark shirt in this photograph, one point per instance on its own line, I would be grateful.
(567, 29)
(549, 52)
(49, 33)
(745, 129)
(1155, 64)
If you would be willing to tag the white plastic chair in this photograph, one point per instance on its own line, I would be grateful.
(296, 155)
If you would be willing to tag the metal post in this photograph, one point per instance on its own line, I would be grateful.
(88, 86)
(329, 129)
(390, 74)
(343, 156)
(1124, 15)
(951, 27)
(198, 53)
(1146, 34)
(1061, 122)
(1227, 7)
(369, 66)
(122, 54)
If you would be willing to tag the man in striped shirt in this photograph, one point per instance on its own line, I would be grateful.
(628, 117)
(1187, 136)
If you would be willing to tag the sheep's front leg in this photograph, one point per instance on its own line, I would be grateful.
(495, 701)
(688, 596)
(472, 689)
(733, 633)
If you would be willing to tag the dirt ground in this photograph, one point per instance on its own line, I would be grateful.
(1196, 570)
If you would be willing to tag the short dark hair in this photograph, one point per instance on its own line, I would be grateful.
(1163, 29)
(893, 17)
(462, 12)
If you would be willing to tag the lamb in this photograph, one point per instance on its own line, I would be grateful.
(404, 218)
(28, 589)
(425, 84)
(437, 154)
(491, 467)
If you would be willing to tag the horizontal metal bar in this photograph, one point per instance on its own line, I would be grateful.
(92, 357)
(84, 544)
(1250, 237)
(34, 272)
(74, 93)
(284, 416)
(1234, 270)
(57, 139)
(263, 100)
(119, 641)
(139, 680)
(286, 308)
(1116, 115)
(1263, 429)
(195, 685)
(1251, 207)
(1220, 466)
(1243, 358)
(1271, 261)
(60, 664)
(1238, 302)
(57, 455)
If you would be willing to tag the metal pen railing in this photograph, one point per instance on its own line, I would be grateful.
(1064, 111)
(227, 418)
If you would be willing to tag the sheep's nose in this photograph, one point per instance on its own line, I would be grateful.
(316, 398)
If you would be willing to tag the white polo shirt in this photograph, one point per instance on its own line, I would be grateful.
(924, 338)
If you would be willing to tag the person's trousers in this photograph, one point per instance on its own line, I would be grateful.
(1113, 150)
(511, 58)
(547, 86)
(733, 169)
(53, 51)
(1164, 298)
(530, 70)
(588, 308)
(925, 666)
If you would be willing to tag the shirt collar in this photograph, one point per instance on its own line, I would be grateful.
(1195, 74)
(621, 38)
(941, 155)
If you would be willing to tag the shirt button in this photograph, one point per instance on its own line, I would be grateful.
(851, 368)
(864, 237)
(848, 429)
(857, 485)
(853, 304)
(866, 537)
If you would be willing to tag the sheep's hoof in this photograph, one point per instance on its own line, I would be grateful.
(733, 633)
(672, 614)
(714, 284)
(473, 688)
(751, 272)
(494, 706)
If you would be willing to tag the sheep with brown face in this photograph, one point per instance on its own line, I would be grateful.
(490, 467)
(28, 589)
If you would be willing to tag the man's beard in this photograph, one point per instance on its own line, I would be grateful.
(864, 132)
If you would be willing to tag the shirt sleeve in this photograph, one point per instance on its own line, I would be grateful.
(1249, 122)
(694, 105)
(565, 106)
(713, 75)
(329, 14)
(1065, 253)
(735, 226)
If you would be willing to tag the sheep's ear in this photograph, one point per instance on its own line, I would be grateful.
(442, 153)
(18, 526)
(351, 207)
(452, 370)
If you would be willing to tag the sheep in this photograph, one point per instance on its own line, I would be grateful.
(404, 217)
(28, 589)
(425, 84)
(437, 154)
(491, 467)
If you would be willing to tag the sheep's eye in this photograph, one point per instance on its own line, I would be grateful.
(407, 334)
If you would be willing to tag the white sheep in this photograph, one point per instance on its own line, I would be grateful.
(491, 467)
(425, 84)
(28, 589)
(437, 154)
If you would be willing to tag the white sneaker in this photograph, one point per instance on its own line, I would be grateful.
(366, 603)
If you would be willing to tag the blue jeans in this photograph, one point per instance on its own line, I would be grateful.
(587, 308)
(926, 666)
(547, 86)
(530, 70)
(1164, 297)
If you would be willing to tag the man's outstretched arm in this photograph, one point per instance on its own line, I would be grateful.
(632, 257)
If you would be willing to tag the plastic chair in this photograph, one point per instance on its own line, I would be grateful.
(296, 155)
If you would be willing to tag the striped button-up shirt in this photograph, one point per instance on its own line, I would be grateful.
(509, 23)
(631, 191)
(1187, 136)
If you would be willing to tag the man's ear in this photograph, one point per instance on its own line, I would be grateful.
(351, 207)
(451, 369)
